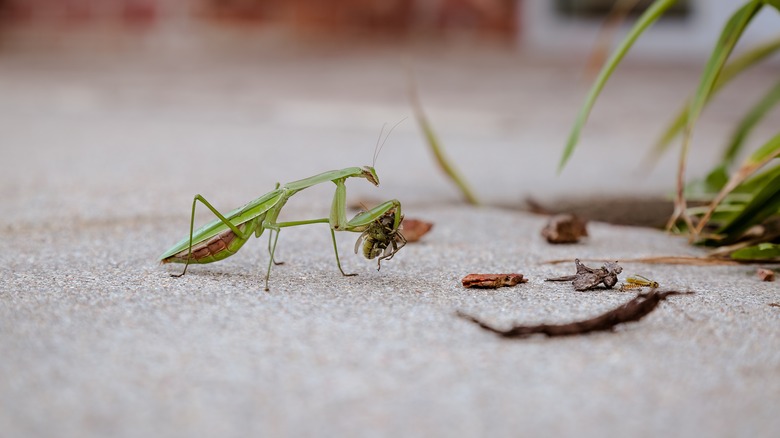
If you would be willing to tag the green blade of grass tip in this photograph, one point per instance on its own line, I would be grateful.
(745, 60)
(435, 146)
(645, 20)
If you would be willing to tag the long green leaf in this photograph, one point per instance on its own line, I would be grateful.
(720, 53)
(747, 59)
(775, 3)
(746, 125)
(648, 18)
(760, 158)
(762, 251)
(728, 39)
(765, 204)
(433, 143)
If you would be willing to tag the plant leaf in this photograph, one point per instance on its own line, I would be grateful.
(775, 3)
(758, 252)
(750, 120)
(731, 33)
(730, 71)
(648, 18)
(435, 145)
(763, 205)
(759, 159)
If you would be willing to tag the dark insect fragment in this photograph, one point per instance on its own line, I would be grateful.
(588, 278)
(381, 239)
(631, 311)
(492, 281)
(565, 228)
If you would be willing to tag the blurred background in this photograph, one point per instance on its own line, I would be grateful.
(688, 27)
(144, 93)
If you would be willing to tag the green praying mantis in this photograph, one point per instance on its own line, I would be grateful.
(225, 235)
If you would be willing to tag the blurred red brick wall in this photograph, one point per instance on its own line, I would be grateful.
(495, 17)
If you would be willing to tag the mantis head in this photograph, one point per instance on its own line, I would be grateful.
(370, 174)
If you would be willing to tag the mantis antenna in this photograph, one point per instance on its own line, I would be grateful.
(378, 147)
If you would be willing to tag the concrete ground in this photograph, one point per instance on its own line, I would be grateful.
(101, 157)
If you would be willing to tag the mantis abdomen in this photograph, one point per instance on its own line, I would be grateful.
(219, 247)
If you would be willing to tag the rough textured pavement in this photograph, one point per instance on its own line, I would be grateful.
(102, 156)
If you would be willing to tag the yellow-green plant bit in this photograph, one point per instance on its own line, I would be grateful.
(435, 145)
(224, 236)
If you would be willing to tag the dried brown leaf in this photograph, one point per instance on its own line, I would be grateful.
(414, 229)
(492, 281)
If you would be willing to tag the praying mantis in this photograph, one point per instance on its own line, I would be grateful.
(225, 235)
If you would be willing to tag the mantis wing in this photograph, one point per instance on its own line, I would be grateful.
(246, 213)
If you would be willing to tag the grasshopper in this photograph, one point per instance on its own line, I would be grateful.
(225, 235)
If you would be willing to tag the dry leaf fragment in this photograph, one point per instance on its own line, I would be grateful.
(565, 228)
(766, 274)
(492, 281)
(588, 278)
(414, 229)
(631, 311)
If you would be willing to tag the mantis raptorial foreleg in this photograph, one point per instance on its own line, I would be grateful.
(221, 217)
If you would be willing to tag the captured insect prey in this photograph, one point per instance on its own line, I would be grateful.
(638, 281)
(382, 239)
(588, 278)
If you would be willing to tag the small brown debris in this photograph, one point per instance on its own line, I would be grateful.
(492, 281)
(414, 229)
(774, 304)
(631, 311)
(766, 274)
(588, 278)
(565, 228)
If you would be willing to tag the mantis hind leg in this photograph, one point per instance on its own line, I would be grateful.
(192, 228)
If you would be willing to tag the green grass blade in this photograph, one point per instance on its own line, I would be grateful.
(745, 60)
(766, 153)
(746, 125)
(648, 18)
(728, 39)
(774, 3)
(435, 146)
(762, 251)
(731, 33)
(763, 205)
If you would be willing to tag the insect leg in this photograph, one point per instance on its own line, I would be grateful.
(336, 251)
(271, 262)
(270, 233)
(192, 228)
